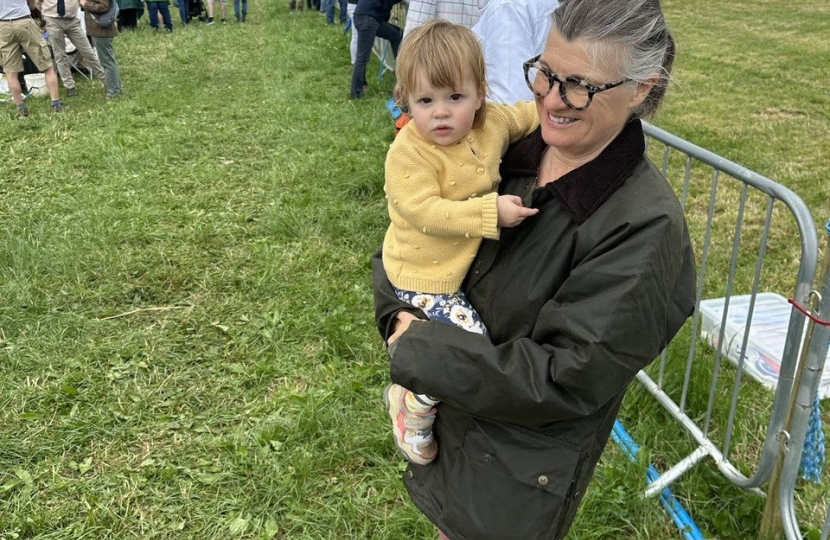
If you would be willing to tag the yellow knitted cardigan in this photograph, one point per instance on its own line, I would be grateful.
(442, 199)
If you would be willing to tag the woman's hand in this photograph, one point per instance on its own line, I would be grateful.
(402, 321)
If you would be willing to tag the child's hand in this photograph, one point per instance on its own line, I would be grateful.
(511, 211)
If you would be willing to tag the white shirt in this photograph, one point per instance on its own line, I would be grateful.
(463, 12)
(511, 32)
(13, 9)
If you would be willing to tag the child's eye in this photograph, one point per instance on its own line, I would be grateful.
(456, 97)
(425, 101)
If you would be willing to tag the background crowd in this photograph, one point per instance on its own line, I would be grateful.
(61, 38)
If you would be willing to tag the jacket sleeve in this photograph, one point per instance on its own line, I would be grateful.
(387, 304)
(612, 316)
(413, 190)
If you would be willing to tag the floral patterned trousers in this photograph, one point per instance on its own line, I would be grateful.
(451, 308)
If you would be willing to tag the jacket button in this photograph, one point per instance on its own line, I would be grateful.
(543, 480)
(409, 475)
(487, 457)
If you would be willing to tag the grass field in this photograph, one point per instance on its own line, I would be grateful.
(186, 334)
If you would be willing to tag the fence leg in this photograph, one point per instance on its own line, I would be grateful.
(772, 524)
(772, 528)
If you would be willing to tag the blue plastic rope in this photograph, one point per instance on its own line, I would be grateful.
(813, 456)
(681, 518)
(812, 459)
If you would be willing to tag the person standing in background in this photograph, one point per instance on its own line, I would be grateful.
(129, 11)
(371, 19)
(463, 12)
(223, 7)
(155, 8)
(511, 31)
(19, 33)
(242, 14)
(102, 39)
(62, 23)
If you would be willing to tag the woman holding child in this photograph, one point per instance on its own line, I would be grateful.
(576, 298)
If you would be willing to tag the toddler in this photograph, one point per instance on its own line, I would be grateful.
(442, 172)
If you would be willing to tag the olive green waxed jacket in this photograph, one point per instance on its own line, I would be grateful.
(577, 299)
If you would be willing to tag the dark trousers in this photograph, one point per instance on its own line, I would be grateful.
(154, 8)
(367, 29)
(127, 18)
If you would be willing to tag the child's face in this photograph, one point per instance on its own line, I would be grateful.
(444, 115)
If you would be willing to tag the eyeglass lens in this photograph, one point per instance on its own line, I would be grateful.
(573, 94)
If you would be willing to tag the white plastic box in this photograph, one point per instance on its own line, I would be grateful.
(767, 334)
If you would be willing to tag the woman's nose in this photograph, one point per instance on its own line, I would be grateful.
(554, 98)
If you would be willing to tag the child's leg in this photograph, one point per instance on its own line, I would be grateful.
(450, 308)
(413, 414)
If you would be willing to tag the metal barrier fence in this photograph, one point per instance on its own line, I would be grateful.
(744, 227)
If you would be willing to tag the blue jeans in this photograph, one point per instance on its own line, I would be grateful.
(329, 9)
(184, 11)
(154, 8)
(236, 10)
(367, 28)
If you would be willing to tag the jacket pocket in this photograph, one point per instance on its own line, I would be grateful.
(510, 483)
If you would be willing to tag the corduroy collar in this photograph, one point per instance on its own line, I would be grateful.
(582, 190)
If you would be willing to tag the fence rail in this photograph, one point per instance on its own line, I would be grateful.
(737, 218)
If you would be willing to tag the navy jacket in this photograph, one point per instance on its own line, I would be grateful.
(379, 9)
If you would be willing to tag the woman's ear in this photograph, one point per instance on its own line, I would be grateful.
(642, 91)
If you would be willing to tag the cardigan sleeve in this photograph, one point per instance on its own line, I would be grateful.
(520, 120)
(414, 193)
(612, 316)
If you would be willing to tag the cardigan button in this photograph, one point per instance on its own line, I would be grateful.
(480, 170)
(543, 480)
(469, 138)
(409, 475)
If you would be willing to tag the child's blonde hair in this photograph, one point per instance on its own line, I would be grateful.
(445, 53)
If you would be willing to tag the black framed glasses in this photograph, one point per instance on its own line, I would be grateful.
(576, 93)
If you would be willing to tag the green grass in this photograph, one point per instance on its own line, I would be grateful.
(186, 333)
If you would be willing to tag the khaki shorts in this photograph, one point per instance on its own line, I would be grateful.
(18, 36)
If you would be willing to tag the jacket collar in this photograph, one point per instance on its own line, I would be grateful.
(582, 190)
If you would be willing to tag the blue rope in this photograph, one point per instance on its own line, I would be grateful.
(678, 514)
(813, 456)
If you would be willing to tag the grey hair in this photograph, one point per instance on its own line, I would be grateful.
(632, 34)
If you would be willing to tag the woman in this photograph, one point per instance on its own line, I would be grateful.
(577, 300)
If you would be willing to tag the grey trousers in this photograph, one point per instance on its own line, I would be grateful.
(58, 27)
(106, 54)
